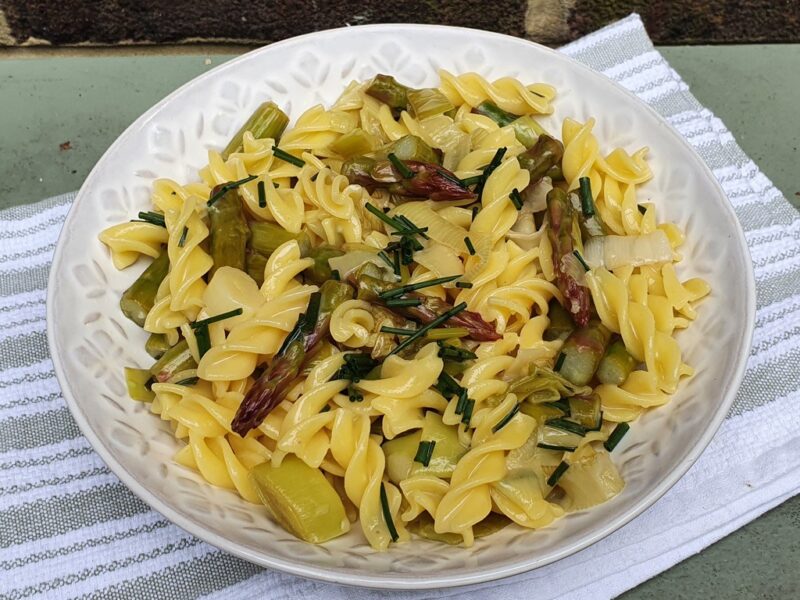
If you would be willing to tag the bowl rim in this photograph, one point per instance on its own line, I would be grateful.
(379, 581)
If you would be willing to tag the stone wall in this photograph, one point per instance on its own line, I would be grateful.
(111, 22)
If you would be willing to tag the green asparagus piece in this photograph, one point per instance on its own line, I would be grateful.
(555, 173)
(298, 348)
(427, 102)
(320, 271)
(266, 237)
(561, 324)
(255, 263)
(176, 359)
(616, 365)
(526, 129)
(560, 216)
(582, 351)
(387, 89)
(138, 299)
(136, 380)
(268, 121)
(540, 158)
(411, 147)
(228, 232)
(156, 345)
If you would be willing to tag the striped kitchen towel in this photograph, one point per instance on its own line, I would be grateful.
(69, 528)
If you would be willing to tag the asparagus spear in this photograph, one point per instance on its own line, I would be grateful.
(410, 178)
(156, 345)
(545, 154)
(255, 264)
(268, 121)
(266, 237)
(576, 296)
(299, 347)
(138, 299)
(427, 310)
(582, 352)
(526, 129)
(228, 232)
(389, 91)
(137, 381)
(411, 147)
(354, 143)
(616, 365)
(427, 102)
(176, 359)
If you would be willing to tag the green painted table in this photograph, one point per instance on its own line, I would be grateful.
(87, 98)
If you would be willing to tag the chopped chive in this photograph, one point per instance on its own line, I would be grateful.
(466, 417)
(403, 302)
(433, 324)
(153, 218)
(182, 241)
(504, 421)
(396, 265)
(353, 394)
(386, 259)
(408, 222)
(464, 284)
(475, 210)
(221, 317)
(470, 247)
(188, 381)
(335, 275)
(561, 405)
(556, 475)
(383, 216)
(619, 432)
(399, 291)
(401, 167)
(414, 231)
(448, 386)
(325, 408)
(516, 198)
(565, 425)
(286, 157)
(554, 447)
(356, 365)
(577, 254)
(587, 203)
(262, 195)
(642, 209)
(489, 169)
(456, 354)
(398, 330)
(203, 340)
(559, 361)
(225, 188)
(462, 401)
(387, 515)
(425, 452)
(471, 180)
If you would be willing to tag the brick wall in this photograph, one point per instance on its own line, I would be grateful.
(104, 22)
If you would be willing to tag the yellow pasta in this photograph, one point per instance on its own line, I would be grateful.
(440, 347)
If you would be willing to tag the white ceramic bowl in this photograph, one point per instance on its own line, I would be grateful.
(90, 340)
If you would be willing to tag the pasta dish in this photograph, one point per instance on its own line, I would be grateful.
(414, 312)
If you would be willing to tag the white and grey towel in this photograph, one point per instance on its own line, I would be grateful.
(69, 528)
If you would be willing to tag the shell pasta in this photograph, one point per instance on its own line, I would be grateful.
(417, 310)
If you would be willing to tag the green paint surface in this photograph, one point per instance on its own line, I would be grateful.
(89, 101)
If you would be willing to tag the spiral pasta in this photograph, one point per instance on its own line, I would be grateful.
(378, 313)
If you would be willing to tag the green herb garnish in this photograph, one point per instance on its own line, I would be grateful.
(225, 188)
(425, 328)
(468, 243)
(399, 291)
(403, 302)
(619, 432)
(425, 452)
(516, 198)
(398, 330)
(577, 254)
(504, 421)
(221, 317)
(387, 515)
(464, 284)
(286, 157)
(262, 195)
(184, 233)
(559, 361)
(401, 167)
(587, 203)
(556, 475)
(153, 218)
